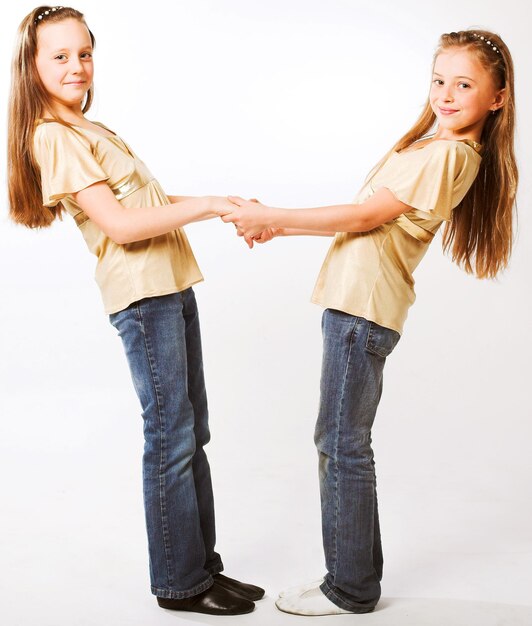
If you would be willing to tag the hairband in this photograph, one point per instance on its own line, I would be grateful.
(490, 43)
(45, 13)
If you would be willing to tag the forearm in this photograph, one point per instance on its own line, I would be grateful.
(326, 220)
(137, 224)
(176, 199)
(289, 232)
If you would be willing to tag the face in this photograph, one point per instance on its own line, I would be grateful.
(64, 62)
(462, 94)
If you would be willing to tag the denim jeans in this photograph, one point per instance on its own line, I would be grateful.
(354, 352)
(161, 337)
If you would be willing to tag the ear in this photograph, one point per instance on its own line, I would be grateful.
(499, 100)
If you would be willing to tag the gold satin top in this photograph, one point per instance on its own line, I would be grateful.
(71, 160)
(370, 274)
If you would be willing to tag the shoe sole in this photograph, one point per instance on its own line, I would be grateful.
(212, 612)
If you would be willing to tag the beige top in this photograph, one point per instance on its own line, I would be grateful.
(370, 274)
(71, 161)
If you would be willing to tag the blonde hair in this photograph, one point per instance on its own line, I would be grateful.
(480, 235)
(28, 99)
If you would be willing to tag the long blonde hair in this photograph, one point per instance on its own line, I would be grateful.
(28, 99)
(480, 235)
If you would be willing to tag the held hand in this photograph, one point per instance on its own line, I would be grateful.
(249, 217)
(247, 238)
(267, 235)
(239, 232)
(264, 236)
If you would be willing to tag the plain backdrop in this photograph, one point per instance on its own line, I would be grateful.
(291, 102)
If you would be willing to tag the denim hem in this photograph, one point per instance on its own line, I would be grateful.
(215, 569)
(331, 595)
(180, 595)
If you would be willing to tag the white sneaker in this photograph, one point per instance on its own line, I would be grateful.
(301, 588)
(310, 602)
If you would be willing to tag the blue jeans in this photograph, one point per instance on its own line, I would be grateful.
(354, 352)
(161, 337)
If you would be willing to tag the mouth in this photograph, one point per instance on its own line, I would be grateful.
(445, 111)
(76, 83)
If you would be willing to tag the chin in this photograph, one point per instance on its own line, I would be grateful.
(450, 127)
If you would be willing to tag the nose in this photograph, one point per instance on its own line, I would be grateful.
(75, 65)
(447, 95)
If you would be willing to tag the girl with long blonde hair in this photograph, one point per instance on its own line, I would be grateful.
(59, 161)
(455, 166)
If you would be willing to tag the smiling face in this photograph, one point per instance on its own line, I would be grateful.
(462, 94)
(64, 63)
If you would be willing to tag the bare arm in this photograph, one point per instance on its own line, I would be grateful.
(270, 233)
(125, 225)
(176, 199)
(289, 232)
(381, 207)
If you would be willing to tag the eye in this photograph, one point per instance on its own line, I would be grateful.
(86, 55)
(437, 81)
(464, 85)
(60, 57)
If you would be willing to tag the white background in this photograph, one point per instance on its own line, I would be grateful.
(292, 102)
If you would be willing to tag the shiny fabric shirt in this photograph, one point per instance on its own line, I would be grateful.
(71, 160)
(370, 274)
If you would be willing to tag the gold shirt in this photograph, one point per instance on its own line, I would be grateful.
(71, 161)
(370, 274)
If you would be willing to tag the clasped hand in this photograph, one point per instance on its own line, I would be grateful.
(251, 219)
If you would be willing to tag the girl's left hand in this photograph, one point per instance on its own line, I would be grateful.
(249, 216)
(266, 235)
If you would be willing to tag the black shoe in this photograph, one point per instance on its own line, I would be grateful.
(250, 592)
(216, 600)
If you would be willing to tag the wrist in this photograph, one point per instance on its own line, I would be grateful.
(272, 219)
(208, 208)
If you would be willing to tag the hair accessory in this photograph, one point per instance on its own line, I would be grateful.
(490, 43)
(42, 15)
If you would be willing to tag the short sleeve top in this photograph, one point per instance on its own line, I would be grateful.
(71, 160)
(370, 274)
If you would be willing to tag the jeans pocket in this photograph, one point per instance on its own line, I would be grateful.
(381, 341)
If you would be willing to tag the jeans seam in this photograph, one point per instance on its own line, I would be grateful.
(352, 337)
(162, 461)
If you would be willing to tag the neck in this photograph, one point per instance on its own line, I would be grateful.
(72, 115)
(473, 132)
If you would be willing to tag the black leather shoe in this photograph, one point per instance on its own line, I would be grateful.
(250, 592)
(216, 600)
